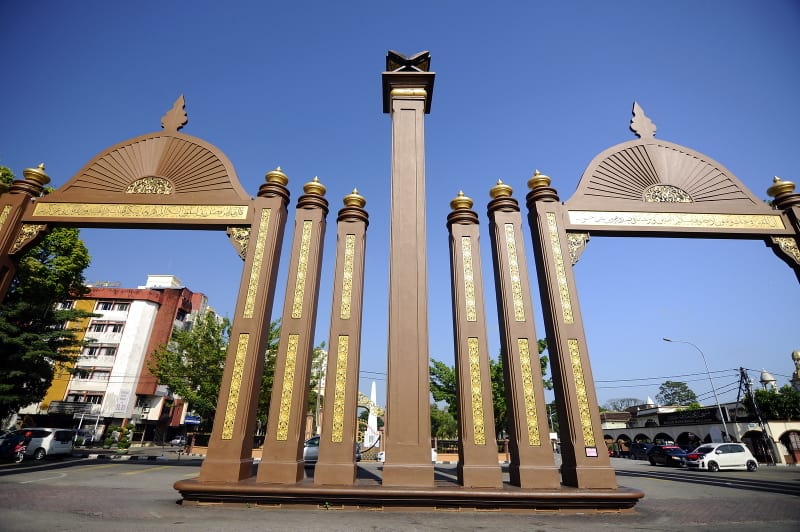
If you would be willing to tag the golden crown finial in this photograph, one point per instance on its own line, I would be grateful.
(780, 187)
(461, 201)
(354, 199)
(538, 180)
(500, 190)
(314, 187)
(37, 175)
(276, 176)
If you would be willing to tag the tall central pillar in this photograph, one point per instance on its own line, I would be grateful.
(407, 91)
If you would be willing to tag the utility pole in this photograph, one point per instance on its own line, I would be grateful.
(768, 446)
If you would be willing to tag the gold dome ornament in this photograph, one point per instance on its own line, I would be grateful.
(314, 187)
(538, 180)
(500, 190)
(37, 175)
(461, 202)
(780, 187)
(276, 176)
(354, 199)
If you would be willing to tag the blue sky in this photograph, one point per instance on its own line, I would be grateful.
(520, 86)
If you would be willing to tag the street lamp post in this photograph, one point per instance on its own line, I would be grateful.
(726, 437)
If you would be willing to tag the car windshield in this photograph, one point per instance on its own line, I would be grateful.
(704, 450)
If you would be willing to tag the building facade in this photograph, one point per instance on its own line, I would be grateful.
(110, 383)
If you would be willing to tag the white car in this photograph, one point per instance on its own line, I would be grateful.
(381, 457)
(715, 456)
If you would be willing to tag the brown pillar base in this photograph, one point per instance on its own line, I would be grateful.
(480, 476)
(343, 474)
(588, 477)
(534, 477)
(281, 472)
(408, 475)
(221, 470)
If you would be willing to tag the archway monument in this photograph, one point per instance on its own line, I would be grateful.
(172, 180)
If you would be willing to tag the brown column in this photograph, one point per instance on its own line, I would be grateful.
(336, 464)
(585, 462)
(407, 93)
(532, 464)
(477, 454)
(282, 455)
(13, 204)
(230, 449)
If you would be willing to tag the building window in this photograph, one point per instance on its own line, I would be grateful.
(97, 327)
(108, 351)
(114, 327)
(104, 305)
(91, 351)
(122, 306)
(100, 375)
(65, 305)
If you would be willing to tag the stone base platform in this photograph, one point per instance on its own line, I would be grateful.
(370, 495)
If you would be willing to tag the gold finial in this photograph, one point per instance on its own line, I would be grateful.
(461, 202)
(354, 199)
(314, 187)
(37, 175)
(780, 187)
(276, 176)
(538, 180)
(500, 190)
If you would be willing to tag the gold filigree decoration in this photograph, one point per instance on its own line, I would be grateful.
(239, 237)
(680, 220)
(4, 214)
(476, 392)
(580, 391)
(347, 276)
(531, 417)
(561, 272)
(26, 233)
(135, 210)
(302, 269)
(513, 271)
(666, 194)
(236, 385)
(286, 391)
(577, 243)
(339, 394)
(258, 259)
(789, 246)
(150, 185)
(469, 280)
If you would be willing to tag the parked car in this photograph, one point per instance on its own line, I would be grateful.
(638, 451)
(667, 455)
(715, 456)
(311, 450)
(178, 441)
(47, 441)
(381, 456)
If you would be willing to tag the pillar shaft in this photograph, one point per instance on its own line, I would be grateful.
(282, 455)
(532, 463)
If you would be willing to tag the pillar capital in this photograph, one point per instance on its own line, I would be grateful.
(407, 78)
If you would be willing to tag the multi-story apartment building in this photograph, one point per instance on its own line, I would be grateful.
(110, 383)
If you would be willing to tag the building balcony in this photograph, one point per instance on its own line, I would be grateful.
(72, 407)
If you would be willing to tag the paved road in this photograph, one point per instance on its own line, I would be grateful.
(133, 495)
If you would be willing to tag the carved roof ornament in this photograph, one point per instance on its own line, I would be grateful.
(175, 118)
(641, 124)
(397, 62)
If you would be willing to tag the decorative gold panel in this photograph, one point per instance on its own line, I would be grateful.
(285, 411)
(126, 210)
(561, 272)
(150, 185)
(789, 246)
(347, 276)
(513, 270)
(531, 417)
(666, 194)
(469, 280)
(258, 259)
(580, 390)
(678, 220)
(577, 243)
(302, 269)
(476, 392)
(4, 214)
(339, 394)
(26, 233)
(240, 238)
(236, 385)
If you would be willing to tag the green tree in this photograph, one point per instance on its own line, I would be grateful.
(783, 404)
(619, 405)
(676, 393)
(193, 361)
(443, 424)
(36, 336)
